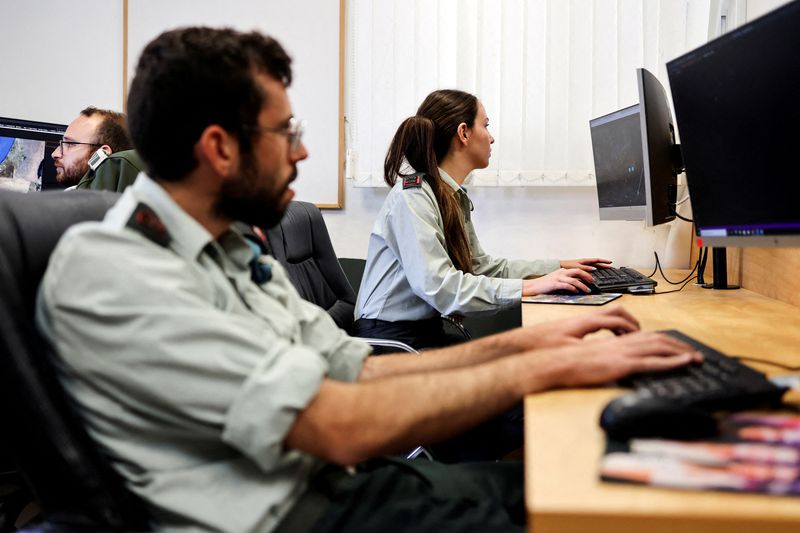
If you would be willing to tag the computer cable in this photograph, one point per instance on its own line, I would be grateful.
(701, 259)
(685, 281)
(766, 362)
(682, 200)
(661, 271)
(676, 290)
(675, 212)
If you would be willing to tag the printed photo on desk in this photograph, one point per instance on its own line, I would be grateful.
(574, 299)
(754, 454)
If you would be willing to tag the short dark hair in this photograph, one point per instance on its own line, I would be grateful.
(113, 130)
(191, 78)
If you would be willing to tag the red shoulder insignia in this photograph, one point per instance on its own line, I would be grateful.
(412, 182)
(145, 221)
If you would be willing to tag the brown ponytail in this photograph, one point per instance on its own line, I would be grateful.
(422, 141)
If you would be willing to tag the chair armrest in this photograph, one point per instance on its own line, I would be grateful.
(401, 347)
(387, 343)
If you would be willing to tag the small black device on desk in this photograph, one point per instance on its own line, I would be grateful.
(622, 279)
(679, 403)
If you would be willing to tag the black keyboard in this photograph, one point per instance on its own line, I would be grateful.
(719, 383)
(621, 279)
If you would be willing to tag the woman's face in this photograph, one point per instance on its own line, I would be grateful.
(479, 140)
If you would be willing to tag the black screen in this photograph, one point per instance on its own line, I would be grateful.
(617, 150)
(736, 104)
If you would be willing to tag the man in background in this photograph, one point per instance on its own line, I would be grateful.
(94, 129)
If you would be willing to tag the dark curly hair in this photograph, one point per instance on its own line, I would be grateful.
(190, 78)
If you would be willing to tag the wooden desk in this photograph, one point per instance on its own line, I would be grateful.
(563, 442)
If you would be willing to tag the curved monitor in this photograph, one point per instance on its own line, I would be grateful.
(635, 157)
(658, 150)
(736, 104)
(26, 148)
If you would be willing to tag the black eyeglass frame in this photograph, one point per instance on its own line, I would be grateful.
(294, 132)
(62, 142)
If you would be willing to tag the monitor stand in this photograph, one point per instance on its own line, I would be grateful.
(720, 268)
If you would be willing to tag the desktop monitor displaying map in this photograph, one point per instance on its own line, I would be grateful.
(26, 149)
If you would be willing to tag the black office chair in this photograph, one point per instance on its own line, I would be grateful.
(67, 473)
(303, 246)
(472, 327)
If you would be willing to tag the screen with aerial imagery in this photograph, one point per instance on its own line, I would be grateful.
(26, 148)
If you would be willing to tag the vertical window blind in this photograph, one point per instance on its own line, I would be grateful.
(542, 68)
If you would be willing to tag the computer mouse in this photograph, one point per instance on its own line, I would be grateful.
(566, 292)
(644, 415)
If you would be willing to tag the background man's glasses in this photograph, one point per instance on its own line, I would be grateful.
(62, 144)
(294, 132)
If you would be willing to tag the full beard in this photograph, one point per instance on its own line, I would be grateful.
(72, 175)
(242, 199)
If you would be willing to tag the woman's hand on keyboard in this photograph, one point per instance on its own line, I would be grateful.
(571, 279)
(588, 264)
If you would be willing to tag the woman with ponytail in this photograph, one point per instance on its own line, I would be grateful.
(424, 257)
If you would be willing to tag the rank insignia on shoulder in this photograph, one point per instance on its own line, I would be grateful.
(412, 182)
(145, 221)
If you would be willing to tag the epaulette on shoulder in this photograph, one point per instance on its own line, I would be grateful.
(145, 221)
(413, 181)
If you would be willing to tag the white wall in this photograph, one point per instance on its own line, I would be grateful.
(310, 32)
(756, 8)
(58, 57)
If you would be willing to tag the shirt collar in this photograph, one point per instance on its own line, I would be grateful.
(450, 181)
(461, 193)
(189, 237)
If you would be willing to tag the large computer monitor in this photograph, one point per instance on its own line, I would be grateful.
(736, 103)
(26, 149)
(636, 159)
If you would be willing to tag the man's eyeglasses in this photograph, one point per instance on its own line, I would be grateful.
(62, 144)
(294, 132)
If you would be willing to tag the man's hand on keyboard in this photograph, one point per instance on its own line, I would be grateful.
(596, 361)
(572, 330)
(588, 264)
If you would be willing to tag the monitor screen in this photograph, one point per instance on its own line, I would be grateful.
(736, 106)
(26, 149)
(617, 150)
(636, 159)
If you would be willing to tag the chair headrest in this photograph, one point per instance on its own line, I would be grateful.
(294, 241)
(31, 225)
